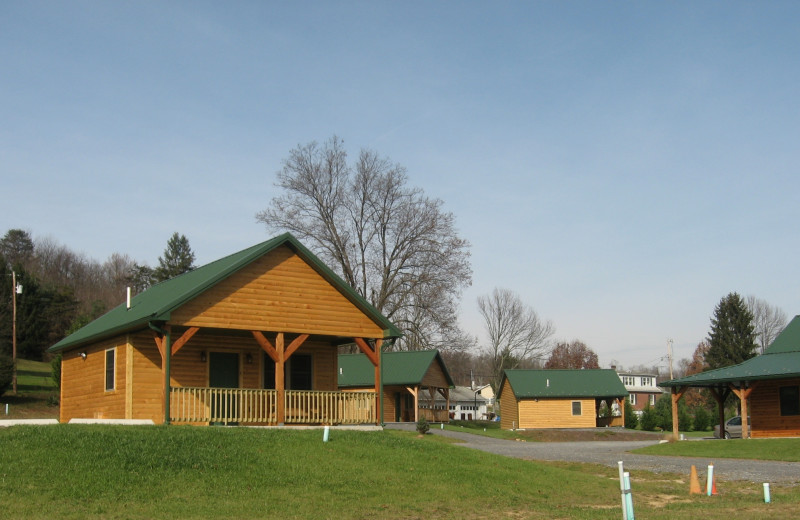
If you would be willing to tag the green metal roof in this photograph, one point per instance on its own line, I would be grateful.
(564, 383)
(399, 368)
(156, 303)
(780, 360)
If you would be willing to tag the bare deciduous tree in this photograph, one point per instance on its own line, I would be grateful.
(515, 332)
(573, 355)
(768, 321)
(398, 248)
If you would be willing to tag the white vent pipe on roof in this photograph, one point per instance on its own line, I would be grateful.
(129, 298)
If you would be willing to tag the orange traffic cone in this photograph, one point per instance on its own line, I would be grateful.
(694, 482)
(714, 486)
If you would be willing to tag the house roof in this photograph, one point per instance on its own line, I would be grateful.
(399, 368)
(156, 303)
(464, 394)
(564, 383)
(780, 360)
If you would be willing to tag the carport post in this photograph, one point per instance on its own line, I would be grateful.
(677, 393)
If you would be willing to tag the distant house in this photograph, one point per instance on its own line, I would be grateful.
(642, 389)
(251, 338)
(559, 398)
(412, 382)
(467, 404)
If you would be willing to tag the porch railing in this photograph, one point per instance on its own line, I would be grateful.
(255, 406)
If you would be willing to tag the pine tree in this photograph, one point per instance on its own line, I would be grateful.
(732, 338)
(178, 258)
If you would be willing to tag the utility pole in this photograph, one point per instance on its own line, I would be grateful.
(14, 291)
(669, 355)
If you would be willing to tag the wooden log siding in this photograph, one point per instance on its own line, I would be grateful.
(556, 413)
(279, 292)
(765, 410)
(509, 409)
(83, 393)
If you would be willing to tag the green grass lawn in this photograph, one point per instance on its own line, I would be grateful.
(763, 449)
(37, 395)
(34, 376)
(79, 471)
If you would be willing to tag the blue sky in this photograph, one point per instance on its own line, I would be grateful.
(620, 165)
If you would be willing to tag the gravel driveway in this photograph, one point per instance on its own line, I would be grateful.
(610, 452)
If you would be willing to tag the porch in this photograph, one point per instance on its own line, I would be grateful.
(257, 406)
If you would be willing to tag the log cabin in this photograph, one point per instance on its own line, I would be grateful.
(412, 381)
(530, 399)
(251, 338)
(767, 386)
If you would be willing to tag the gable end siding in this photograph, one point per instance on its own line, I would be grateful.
(278, 292)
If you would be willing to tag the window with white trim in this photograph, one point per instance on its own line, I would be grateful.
(652, 399)
(633, 399)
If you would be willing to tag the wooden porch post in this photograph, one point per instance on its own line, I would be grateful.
(720, 396)
(744, 394)
(280, 384)
(162, 339)
(677, 393)
(374, 355)
(378, 383)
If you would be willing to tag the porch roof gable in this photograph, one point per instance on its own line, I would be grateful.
(781, 360)
(157, 302)
(399, 368)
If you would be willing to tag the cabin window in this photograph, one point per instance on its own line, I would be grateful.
(790, 400)
(300, 373)
(576, 408)
(110, 366)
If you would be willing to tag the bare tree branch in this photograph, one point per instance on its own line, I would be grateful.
(768, 321)
(515, 332)
(395, 246)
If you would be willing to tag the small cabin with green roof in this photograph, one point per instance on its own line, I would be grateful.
(767, 386)
(251, 338)
(411, 382)
(559, 398)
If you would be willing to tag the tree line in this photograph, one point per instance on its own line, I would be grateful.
(63, 290)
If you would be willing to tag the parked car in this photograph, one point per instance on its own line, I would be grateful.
(733, 428)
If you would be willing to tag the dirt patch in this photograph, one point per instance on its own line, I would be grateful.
(596, 434)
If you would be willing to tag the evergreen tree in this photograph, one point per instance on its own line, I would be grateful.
(631, 419)
(17, 247)
(732, 339)
(178, 258)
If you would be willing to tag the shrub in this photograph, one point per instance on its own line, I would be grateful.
(702, 419)
(6, 372)
(649, 419)
(631, 419)
(423, 426)
(55, 370)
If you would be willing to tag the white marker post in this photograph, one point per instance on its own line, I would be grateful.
(326, 434)
(628, 495)
(766, 493)
(622, 491)
(710, 480)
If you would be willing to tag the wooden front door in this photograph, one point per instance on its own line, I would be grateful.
(223, 372)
